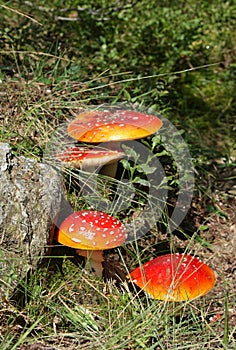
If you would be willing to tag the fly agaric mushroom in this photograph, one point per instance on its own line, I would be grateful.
(91, 232)
(82, 157)
(174, 277)
(113, 126)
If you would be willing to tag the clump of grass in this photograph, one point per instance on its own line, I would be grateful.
(78, 309)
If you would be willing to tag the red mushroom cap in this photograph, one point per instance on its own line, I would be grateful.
(83, 157)
(103, 126)
(91, 230)
(174, 277)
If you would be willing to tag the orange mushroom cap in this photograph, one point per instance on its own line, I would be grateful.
(174, 277)
(91, 230)
(83, 157)
(103, 126)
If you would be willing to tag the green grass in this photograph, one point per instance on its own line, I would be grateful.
(80, 310)
(175, 58)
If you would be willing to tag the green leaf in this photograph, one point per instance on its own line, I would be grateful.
(142, 182)
(203, 228)
(146, 169)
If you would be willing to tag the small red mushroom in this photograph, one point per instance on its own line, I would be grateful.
(82, 157)
(91, 232)
(174, 277)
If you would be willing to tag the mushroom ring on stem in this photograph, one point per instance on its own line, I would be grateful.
(91, 232)
(174, 277)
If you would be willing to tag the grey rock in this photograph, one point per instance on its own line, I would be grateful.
(31, 196)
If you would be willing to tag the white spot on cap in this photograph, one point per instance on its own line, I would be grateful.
(71, 228)
(88, 234)
(76, 240)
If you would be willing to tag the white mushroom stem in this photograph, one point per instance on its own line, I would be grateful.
(110, 169)
(95, 259)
